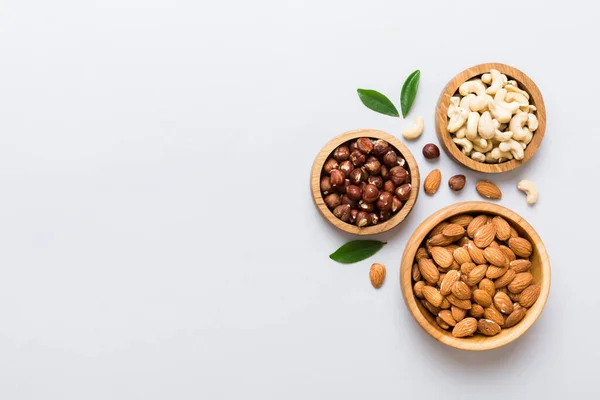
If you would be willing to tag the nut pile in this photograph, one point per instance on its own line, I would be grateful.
(472, 274)
(365, 181)
(492, 129)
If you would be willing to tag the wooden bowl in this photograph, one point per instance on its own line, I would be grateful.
(315, 181)
(540, 270)
(441, 117)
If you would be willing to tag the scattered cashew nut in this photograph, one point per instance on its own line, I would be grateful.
(415, 130)
(530, 190)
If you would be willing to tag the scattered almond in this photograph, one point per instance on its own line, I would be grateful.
(488, 190)
(432, 182)
(377, 275)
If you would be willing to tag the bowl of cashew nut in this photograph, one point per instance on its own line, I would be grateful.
(491, 118)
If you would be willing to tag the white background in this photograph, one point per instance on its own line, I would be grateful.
(157, 235)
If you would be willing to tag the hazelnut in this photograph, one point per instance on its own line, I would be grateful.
(332, 201)
(362, 185)
(384, 215)
(330, 165)
(342, 188)
(373, 166)
(385, 172)
(403, 192)
(353, 146)
(353, 213)
(389, 186)
(365, 145)
(390, 159)
(342, 153)
(370, 194)
(362, 219)
(396, 204)
(354, 192)
(344, 199)
(401, 162)
(431, 151)
(373, 218)
(457, 182)
(380, 147)
(384, 203)
(342, 212)
(357, 158)
(375, 180)
(368, 207)
(325, 185)
(357, 175)
(398, 175)
(336, 178)
(346, 167)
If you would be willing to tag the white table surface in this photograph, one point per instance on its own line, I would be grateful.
(158, 237)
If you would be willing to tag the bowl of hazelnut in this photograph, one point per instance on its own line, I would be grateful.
(365, 181)
(475, 276)
(491, 118)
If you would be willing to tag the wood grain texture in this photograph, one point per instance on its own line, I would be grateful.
(540, 270)
(315, 179)
(441, 117)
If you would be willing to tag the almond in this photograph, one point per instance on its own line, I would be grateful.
(455, 301)
(510, 255)
(513, 296)
(441, 256)
(488, 286)
(439, 228)
(513, 232)
(476, 275)
(494, 272)
(445, 304)
(488, 327)
(466, 327)
(377, 275)
(494, 315)
(446, 316)
(458, 313)
(502, 228)
(462, 219)
(482, 298)
(514, 318)
(494, 244)
(421, 253)
(520, 282)
(428, 270)
(439, 240)
(428, 306)
(461, 291)
(453, 231)
(503, 303)
(505, 279)
(484, 236)
(461, 255)
(476, 311)
(520, 246)
(446, 285)
(476, 253)
(441, 323)
(475, 224)
(466, 268)
(488, 190)
(463, 241)
(520, 265)
(529, 295)
(432, 182)
(442, 275)
(496, 257)
(433, 296)
(418, 289)
(415, 273)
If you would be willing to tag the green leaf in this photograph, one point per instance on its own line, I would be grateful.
(409, 92)
(356, 250)
(377, 102)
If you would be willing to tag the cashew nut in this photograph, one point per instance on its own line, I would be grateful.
(486, 126)
(472, 86)
(500, 155)
(513, 87)
(415, 130)
(518, 97)
(498, 81)
(530, 190)
(477, 156)
(500, 113)
(465, 145)
(482, 145)
(514, 148)
(517, 126)
(472, 123)
(462, 132)
(532, 122)
(486, 78)
(458, 115)
(502, 136)
(500, 99)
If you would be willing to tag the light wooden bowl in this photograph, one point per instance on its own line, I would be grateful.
(540, 270)
(315, 182)
(441, 117)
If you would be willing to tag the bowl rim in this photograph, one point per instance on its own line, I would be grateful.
(450, 89)
(315, 182)
(478, 343)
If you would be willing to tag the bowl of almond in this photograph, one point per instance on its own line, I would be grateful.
(475, 276)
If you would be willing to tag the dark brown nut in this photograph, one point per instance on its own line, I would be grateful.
(380, 147)
(344, 199)
(346, 167)
(398, 175)
(403, 192)
(384, 215)
(368, 207)
(362, 186)
(370, 194)
(384, 202)
(385, 172)
(375, 180)
(336, 178)
(396, 204)
(342, 153)
(342, 188)
(373, 166)
(389, 186)
(401, 162)
(431, 151)
(353, 146)
(354, 192)
(358, 175)
(332, 201)
(457, 182)
(342, 212)
(365, 145)
(390, 159)
(362, 219)
(325, 185)
(373, 218)
(357, 158)
(353, 213)
(330, 165)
